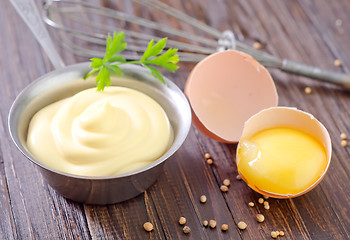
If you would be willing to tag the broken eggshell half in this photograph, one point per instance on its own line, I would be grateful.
(224, 90)
(287, 117)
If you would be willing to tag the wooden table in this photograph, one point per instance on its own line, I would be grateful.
(301, 30)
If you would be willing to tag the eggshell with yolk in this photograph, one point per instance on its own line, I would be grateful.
(225, 89)
(287, 117)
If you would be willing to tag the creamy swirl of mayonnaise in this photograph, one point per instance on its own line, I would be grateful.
(116, 131)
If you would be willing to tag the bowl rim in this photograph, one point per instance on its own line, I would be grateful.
(82, 66)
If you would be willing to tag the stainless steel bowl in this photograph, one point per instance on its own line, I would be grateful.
(65, 82)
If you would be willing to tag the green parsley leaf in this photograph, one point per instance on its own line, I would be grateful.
(103, 78)
(117, 59)
(96, 62)
(154, 49)
(115, 69)
(91, 72)
(114, 45)
(111, 61)
(156, 73)
(168, 60)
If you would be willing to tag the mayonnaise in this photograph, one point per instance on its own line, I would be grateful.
(116, 131)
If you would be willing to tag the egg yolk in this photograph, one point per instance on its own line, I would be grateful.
(281, 160)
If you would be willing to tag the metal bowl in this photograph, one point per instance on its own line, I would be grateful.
(65, 82)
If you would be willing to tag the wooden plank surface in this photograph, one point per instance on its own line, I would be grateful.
(301, 30)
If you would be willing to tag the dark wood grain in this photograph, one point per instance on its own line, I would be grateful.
(301, 30)
(7, 225)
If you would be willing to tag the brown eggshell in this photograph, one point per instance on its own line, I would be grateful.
(224, 90)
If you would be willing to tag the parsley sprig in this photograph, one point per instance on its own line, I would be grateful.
(112, 60)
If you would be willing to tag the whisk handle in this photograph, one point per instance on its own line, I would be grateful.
(31, 16)
(316, 73)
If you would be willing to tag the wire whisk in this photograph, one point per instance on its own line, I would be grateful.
(80, 34)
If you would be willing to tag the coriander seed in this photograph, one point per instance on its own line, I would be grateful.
(238, 177)
(266, 203)
(207, 155)
(223, 188)
(212, 223)
(260, 218)
(203, 199)
(267, 206)
(337, 63)
(281, 233)
(344, 143)
(257, 45)
(205, 223)
(242, 225)
(182, 220)
(148, 226)
(343, 136)
(338, 22)
(261, 200)
(226, 182)
(186, 229)
(210, 161)
(274, 234)
(307, 90)
(266, 197)
(224, 227)
(251, 204)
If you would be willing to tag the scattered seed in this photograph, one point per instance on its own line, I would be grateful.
(337, 63)
(223, 188)
(267, 206)
(343, 136)
(257, 45)
(266, 203)
(242, 225)
(207, 155)
(307, 90)
(266, 197)
(261, 200)
(278, 233)
(205, 223)
(251, 204)
(238, 177)
(203, 199)
(274, 234)
(182, 220)
(260, 218)
(148, 226)
(344, 143)
(224, 227)
(281, 233)
(186, 229)
(212, 223)
(226, 182)
(210, 161)
(338, 22)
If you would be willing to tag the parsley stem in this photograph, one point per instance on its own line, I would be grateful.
(131, 62)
